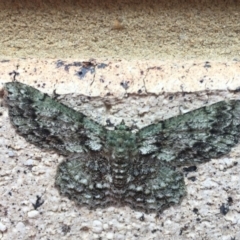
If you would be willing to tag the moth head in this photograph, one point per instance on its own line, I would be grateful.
(122, 127)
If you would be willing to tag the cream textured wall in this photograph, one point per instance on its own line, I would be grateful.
(150, 60)
(140, 93)
(123, 29)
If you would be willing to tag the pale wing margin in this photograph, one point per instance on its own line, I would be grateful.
(49, 124)
(193, 137)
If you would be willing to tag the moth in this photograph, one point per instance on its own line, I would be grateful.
(120, 167)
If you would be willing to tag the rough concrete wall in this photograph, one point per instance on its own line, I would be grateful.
(140, 93)
(141, 75)
(129, 29)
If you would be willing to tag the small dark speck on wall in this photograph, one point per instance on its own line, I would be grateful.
(38, 202)
(182, 230)
(102, 65)
(109, 123)
(224, 208)
(207, 65)
(66, 228)
(84, 70)
(15, 74)
(124, 84)
(193, 179)
(230, 201)
(190, 169)
(195, 210)
(59, 63)
(142, 218)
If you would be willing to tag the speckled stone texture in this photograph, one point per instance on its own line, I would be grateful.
(141, 93)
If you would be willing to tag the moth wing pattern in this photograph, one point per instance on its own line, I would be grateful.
(194, 137)
(154, 187)
(49, 124)
(86, 179)
(83, 178)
